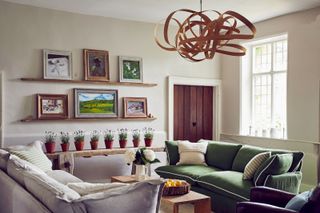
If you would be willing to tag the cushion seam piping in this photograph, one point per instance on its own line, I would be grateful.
(255, 183)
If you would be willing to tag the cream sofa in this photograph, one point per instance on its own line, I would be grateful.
(24, 188)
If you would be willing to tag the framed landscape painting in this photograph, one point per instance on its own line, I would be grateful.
(135, 107)
(95, 103)
(96, 65)
(57, 64)
(52, 106)
(130, 69)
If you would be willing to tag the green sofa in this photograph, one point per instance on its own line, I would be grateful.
(222, 178)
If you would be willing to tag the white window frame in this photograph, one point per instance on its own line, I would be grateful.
(246, 73)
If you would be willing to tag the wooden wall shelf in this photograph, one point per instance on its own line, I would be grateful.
(31, 119)
(109, 83)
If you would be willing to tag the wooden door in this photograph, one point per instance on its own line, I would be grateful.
(193, 112)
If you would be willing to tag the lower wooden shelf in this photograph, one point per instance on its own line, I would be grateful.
(32, 119)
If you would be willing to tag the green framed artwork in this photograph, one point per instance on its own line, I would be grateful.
(130, 69)
(95, 103)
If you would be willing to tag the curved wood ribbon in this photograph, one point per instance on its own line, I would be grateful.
(198, 37)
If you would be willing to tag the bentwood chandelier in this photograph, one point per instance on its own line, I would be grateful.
(199, 37)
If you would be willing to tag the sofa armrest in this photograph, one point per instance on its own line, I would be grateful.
(289, 182)
(251, 207)
(270, 196)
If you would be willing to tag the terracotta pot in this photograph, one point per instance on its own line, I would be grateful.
(50, 147)
(79, 145)
(123, 143)
(94, 144)
(148, 142)
(135, 142)
(108, 144)
(65, 147)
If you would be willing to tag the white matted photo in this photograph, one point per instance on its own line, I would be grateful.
(130, 69)
(57, 64)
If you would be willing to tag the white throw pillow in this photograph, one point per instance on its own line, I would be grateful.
(34, 154)
(253, 165)
(84, 188)
(192, 153)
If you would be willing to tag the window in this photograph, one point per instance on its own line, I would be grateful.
(264, 85)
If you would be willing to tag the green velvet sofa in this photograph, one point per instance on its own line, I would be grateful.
(222, 178)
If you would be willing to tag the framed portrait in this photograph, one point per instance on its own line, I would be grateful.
(57, 64)
(95, 103)
(52, 106)
(130, 69)
(96, 65)
(135, 107)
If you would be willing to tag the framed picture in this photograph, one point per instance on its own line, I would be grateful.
(135, 107)
(95, 103)
(130, 69)
(96, 65)
(52, 106)
(57, 64)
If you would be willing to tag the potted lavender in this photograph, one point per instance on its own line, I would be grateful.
(108, 138)
(123, 135)
(50, 141)
(64, 137)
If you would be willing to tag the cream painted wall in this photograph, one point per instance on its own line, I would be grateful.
(26, 30)
(303, 30)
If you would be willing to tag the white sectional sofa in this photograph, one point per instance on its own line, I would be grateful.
(25, 188)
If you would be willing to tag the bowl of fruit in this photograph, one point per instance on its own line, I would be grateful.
(175, 187)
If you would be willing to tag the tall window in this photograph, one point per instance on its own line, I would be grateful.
(265, 68)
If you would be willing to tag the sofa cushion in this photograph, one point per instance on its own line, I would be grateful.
(296, 161)
(276, 165)
(245, 154)
(189, 173)
(4, 157)
(228, 183)
(63, 177)
(254, 165)
(192, 153)
(33, 153)
(172, 152)
(221, 154)
(56, 196)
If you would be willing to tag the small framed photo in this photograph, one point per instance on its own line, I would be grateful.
(95, 103)
(57, 64)
(135, 107)
(130, 69)
(96, 65)
(52, 106)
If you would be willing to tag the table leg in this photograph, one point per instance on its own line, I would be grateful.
(202, 206)
(175, 208)
(66, 162)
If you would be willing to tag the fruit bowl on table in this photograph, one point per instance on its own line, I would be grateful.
(175, 187)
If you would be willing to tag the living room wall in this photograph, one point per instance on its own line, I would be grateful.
(26, 30)
(303, 30)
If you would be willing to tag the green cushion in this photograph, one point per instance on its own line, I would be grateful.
(172, 152)
(296, 161)
(289, 182)
(228, 183)
(190, 173)
(276, 165)
(245, 154)
(221, 154)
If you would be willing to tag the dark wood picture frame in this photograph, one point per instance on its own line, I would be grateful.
(127, 104)
(94, 97)
(43, 111)
(96, 65)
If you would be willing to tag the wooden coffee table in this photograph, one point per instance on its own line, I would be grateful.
(201, 203)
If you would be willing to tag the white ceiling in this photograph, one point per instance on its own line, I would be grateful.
(156, 10)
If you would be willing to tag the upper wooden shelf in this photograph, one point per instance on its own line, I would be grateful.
(112, 83)
(32, 119)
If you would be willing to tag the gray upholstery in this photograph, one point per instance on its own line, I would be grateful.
(63, 177)
(4, 156)
(15, 199)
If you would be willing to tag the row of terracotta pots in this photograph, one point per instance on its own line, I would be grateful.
(50, 147)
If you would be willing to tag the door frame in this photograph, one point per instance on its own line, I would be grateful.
(176, 80)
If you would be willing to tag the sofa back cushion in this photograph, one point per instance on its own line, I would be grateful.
(276, 165)
(172, 152)
(245, 154)
(4, 156)
(296, 160)
(221, 154)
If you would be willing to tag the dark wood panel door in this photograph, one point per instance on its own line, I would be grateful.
(193, 112)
